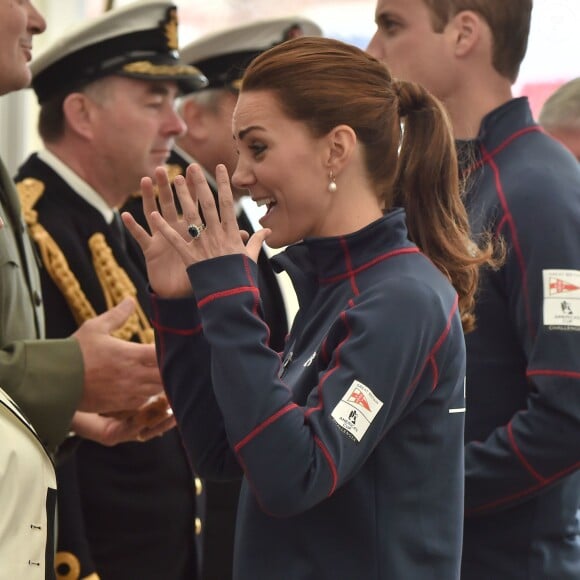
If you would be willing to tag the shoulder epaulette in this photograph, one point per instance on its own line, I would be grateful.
(30, 190)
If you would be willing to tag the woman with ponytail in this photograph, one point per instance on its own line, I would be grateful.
(350, 442)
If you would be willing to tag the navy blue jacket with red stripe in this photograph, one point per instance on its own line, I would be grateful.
(351, 444)
(523, 360)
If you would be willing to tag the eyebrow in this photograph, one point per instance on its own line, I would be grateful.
(244, 132)
(161, 89)
(381, 17)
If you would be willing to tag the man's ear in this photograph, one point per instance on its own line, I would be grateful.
(77, 110)
(194, 117)
(341, 143)
(467, 28)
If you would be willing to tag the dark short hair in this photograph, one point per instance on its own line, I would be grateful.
(51, 118)
(509, 21)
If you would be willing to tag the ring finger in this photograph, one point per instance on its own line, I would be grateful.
(193, 222)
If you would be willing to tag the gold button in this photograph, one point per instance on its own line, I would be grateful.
(198, 486)
(198, 526)
(67, 566)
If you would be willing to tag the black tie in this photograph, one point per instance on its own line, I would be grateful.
(119, 230)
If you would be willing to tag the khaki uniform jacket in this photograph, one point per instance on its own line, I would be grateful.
(43, 377)
(28, 492)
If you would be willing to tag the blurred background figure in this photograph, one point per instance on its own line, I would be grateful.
(560, 115)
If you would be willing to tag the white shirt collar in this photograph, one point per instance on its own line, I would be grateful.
(79, 185)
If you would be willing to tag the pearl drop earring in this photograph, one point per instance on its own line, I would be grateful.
(332, 187)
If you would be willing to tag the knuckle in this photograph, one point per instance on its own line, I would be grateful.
(207, 203)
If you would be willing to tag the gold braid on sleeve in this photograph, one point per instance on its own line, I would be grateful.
(115, 282)
(30, 191)
(117, 286)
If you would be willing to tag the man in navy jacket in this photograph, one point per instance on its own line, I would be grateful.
(523, 366)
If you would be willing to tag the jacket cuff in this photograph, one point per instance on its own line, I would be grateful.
(174, 313)
(222, 274)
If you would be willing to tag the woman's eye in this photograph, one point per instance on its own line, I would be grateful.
(257, 149)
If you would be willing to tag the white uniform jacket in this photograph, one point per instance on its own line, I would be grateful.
(27, 499)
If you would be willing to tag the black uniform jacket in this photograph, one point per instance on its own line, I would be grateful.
(126, 511)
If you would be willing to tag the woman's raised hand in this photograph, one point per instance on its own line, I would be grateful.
(178, 241)
(165, 268)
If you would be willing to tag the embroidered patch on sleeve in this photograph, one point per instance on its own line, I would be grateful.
(356, 410)
(562, 299)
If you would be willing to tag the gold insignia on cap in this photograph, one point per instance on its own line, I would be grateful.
(144, 67)
(171, 29)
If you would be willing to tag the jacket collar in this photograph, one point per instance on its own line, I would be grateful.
(316, 261)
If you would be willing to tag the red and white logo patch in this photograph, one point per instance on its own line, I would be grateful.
(559, 286)
(562, 298)
(357, 397)
(357, 409)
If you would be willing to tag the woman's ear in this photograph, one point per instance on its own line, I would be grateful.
(341, 145)
(77, 110)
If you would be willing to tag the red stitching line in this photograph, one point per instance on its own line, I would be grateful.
(369, 265)
(544, 372)
(161, 339)
(331, 464)
(264, 424)
(521, 456)
(503, 145)
(435, 373)
(226, 293)
(434, 350)
(523, 493)
(249, 271)
(336, 365)
(178, 331)
(349, 271)
(517, 247)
